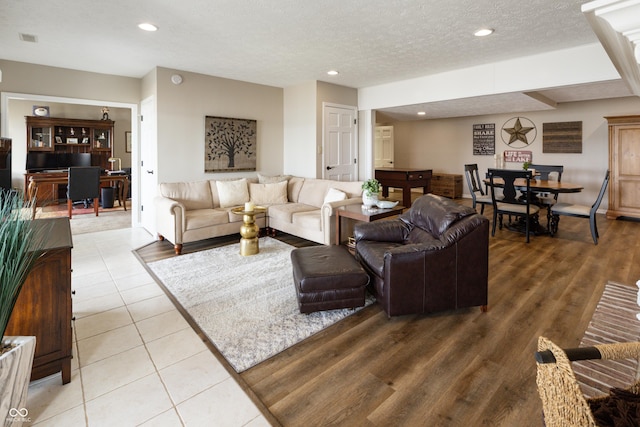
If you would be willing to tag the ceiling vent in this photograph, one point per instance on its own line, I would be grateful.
(28, 38)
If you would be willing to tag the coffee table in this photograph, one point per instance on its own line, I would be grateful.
(361, 213)
(249, 230)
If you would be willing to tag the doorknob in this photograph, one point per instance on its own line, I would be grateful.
(330, 167)
(150, 171)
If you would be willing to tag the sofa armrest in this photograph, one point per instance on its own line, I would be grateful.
(170, 219)
(327, 215)
(392, 230)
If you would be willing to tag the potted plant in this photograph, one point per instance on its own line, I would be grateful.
(371, 188)
(525, 166)
(20, 246)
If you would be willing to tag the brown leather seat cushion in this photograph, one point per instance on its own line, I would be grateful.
(327, 278)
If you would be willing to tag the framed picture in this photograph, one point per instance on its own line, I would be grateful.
(72, 140)
(85, 140)
(229, 144)
(59, 140)
(127, 141)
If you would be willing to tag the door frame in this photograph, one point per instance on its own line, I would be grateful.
(353, 108)
(5, 97)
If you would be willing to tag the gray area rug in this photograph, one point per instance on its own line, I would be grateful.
(247, 306)
(614, 320)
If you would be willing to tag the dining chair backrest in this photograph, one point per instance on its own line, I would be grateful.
(510, 193)
(596, 204)
(473, 179)
(545, 170)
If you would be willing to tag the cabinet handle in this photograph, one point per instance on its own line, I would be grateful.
(150, 171)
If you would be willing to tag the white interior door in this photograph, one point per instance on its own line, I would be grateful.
(147, 167)
(340, 143)
(383, 148)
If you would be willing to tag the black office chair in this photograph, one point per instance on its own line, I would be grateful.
(580, 211)
(83, 184)
(511, 202)
(475, 188)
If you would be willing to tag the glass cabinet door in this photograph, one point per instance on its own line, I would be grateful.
(101, 139)
(40, 139)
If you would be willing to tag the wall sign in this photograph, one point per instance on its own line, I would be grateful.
(517, 156)
(484, 139)
(518, 132)
(562, 137)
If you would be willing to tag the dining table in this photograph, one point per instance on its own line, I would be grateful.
(538, 186)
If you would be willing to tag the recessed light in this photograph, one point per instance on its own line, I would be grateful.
(483, 32)
(147, 27)
(421, 113)
(333, 72)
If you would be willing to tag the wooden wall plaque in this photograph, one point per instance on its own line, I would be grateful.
(562, 137)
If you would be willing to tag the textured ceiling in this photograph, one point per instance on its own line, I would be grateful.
(286, 42)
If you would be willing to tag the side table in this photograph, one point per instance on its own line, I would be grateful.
(360, 213)
(249, 230)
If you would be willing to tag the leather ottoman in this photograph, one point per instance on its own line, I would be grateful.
(327, 278)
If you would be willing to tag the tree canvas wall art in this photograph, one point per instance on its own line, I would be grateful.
(230, 144)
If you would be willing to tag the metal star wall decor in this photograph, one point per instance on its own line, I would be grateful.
(518, 132)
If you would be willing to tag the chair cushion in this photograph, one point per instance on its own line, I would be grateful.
(517, 209)
(435, 214)
(570, 209)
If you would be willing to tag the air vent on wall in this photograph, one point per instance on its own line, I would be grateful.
(28, 38)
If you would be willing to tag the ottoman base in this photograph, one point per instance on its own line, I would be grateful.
(327, 278)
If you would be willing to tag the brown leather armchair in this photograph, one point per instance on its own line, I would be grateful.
(434, 257)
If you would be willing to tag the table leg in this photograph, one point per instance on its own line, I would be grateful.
(406, 196)
(338, 223)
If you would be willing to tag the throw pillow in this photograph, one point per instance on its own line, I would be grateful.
(232, 193)
(265, 179)
(268, 194)
(334, 195)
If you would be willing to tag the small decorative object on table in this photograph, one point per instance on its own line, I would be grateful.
(371, 189)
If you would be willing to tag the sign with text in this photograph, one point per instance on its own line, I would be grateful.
(484, 139)
(517, 156)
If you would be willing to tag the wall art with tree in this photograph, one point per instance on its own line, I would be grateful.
(230, 144)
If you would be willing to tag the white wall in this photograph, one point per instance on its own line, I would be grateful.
(300, 152)
(181, 116)
(446, 145)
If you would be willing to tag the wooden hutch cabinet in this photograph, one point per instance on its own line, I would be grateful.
(71, 136)
(57, 144)
(43, 308)
(624, 166)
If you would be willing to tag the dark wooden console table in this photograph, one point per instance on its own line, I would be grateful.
(43, 308)
(405, 179)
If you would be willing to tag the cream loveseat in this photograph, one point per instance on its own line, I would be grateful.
(305, 207)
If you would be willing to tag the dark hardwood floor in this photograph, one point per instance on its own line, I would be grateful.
(456, 368)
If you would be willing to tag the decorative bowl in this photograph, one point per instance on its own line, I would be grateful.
(386, 204)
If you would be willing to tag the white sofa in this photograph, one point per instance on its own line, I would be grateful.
(305, 207)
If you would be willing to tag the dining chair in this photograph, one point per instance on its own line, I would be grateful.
(580, 211)
(473, 182)
(511, 202)
(548, 200)
(83, 184)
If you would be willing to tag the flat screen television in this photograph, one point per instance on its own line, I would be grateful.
(40, 161)
(80, 159)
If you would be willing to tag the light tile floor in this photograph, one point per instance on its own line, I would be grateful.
(136, 361)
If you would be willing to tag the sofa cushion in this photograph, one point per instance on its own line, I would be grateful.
(266, 179)
(352, 188)
(309, 220)
(313, 191)
(200, 218)
(435, 214)
(334, 195)
(232, 193)
(268, 194)
(284, 213)
(294, 187)
(193, 195)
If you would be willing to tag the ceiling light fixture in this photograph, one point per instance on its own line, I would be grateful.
(333, 72)
(483, 32)
(147, 27)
